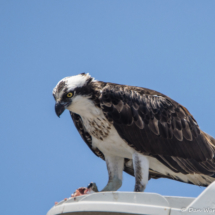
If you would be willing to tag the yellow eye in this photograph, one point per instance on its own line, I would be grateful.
(69, 95)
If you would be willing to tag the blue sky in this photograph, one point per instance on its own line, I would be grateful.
(168, 46)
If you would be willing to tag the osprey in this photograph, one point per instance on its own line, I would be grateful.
(138, 130)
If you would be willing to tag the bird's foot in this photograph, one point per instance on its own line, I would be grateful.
(91, 188)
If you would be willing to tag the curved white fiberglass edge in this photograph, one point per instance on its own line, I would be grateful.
(138, 203)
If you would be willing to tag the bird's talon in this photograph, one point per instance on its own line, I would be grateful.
(91, 188)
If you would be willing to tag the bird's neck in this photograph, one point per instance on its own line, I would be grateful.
(84, 107)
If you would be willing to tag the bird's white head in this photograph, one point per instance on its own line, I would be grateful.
(67, 89)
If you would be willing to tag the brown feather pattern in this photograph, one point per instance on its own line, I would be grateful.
(156, 125)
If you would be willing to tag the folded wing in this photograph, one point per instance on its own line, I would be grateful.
(156, 125)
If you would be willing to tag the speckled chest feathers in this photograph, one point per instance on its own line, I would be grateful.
(93, 118)
(98, 127)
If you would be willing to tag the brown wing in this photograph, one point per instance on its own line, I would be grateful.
(88, 140)
(155, 125)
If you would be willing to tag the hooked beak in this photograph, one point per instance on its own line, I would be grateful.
(59, 109)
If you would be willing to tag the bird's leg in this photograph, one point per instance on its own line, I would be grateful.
(115, 167)
(141, 171)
